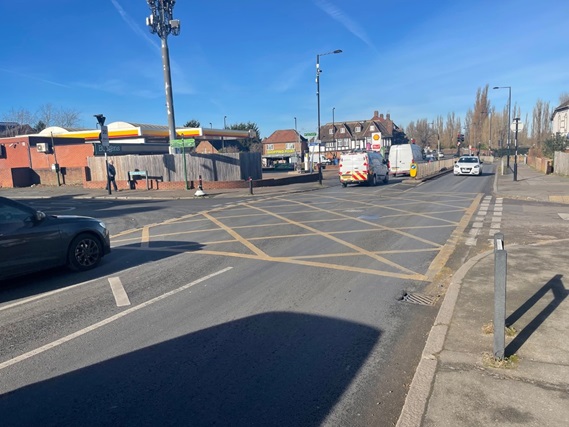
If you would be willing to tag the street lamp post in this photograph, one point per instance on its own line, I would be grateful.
(334, 130)
(509, 115)
(318, 71)
(224, 127)
(297, 147)
(210, 125)
(517, 120)
(160, 22)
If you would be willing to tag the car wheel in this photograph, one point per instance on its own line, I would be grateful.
(344, 184)
(374, 180)
(85, 252)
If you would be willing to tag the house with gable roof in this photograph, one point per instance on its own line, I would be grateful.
(377, 133)
(560, 119)
(284, 146)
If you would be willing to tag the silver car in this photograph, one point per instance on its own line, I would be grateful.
(468, 165)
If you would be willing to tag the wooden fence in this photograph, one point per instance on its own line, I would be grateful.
(211, 167)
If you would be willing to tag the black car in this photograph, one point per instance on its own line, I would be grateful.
(31, 241)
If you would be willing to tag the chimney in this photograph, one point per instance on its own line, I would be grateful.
(375, 117)
(381, 117)
(388, 116)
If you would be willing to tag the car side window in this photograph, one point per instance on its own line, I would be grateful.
(12, 218)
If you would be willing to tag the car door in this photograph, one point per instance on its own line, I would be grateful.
(26, 243)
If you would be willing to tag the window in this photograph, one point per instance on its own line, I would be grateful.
(372, 128)
(290, 145)
(270, 147)
(343, 130)
(330, 131)
(358, 128)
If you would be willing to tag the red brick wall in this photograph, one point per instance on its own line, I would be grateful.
(21, 152)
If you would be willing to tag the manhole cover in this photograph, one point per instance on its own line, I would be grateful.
(419, 299)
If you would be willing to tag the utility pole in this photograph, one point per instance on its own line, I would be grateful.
(160, 22)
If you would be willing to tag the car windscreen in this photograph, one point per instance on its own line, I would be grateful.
(468, 160)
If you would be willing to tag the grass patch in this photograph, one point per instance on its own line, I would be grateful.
(488, 328)
(511, 362)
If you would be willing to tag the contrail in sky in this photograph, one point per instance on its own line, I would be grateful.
(132, 24)
(338, 15)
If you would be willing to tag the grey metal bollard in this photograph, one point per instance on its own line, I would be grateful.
(500, 274)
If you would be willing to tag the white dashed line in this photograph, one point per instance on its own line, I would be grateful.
(104, 322)
(119, 293)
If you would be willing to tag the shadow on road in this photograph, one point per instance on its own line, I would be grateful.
(279, 368)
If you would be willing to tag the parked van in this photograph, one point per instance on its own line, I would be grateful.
(401, 156)
(363, 167)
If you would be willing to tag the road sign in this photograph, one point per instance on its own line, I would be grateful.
(310, 134)
(520, 126)
(179, 143)
(104, 136)
(312, 144)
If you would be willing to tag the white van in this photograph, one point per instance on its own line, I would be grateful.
(363, 167)
(401, 156)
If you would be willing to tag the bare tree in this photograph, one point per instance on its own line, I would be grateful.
(541, 126)
(452, 128)
(23, 118)
(479, 116)
(67, 119)
(46, 114)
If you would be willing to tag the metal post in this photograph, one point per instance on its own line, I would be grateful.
(318, 100)
(517, 120)
(160, 22)
(490, 133)
(509, 120)
(250, 185)
(185, 167)
(55, 160)
(318, 71)
(108, 176)
(224, 127)
(500, 274)
(319, 173)
(334, 130)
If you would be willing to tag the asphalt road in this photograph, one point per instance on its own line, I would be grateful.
(271, 311)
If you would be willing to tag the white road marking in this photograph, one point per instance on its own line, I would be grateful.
(564, 216)
(119, 293)
(104, 322)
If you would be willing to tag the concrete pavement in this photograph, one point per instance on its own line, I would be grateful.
(458, 382)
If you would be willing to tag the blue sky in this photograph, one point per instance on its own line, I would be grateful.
(253, 60)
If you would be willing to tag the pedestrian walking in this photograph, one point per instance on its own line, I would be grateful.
(112, 172)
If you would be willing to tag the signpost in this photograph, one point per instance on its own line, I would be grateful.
(183, 143)
(310, 134)
(104, 138)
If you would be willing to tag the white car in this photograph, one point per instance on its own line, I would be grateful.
(468, 165)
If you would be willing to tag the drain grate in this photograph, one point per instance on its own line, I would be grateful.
(419, 299)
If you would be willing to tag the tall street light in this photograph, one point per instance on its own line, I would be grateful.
(318, 71)
(509, 115)
(161, 23)
(334, 131)
(517, 121)
(224, 127)
(297, 146)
